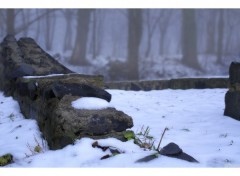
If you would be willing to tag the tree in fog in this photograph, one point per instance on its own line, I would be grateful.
(151, 23)
(211, 31)
(189, 39)
(50, 21)
(220, 36)
(68, 15)
(134, 39)
(98, 17)
(80, 48)
(164, 22)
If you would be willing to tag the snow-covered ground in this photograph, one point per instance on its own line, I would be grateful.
(194, 118)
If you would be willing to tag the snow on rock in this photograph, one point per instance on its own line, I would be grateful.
(91, 103)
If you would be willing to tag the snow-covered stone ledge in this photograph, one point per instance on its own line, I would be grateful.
(46, 92)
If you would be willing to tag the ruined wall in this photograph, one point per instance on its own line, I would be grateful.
(181, 83)
(47, 99)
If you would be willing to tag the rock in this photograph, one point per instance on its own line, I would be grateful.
(82, 90)
(234, 73)
(21, 70)
(6, 159)
(171, 149)
(65, 122)
(232, 104)
(43, 63)
(232, 97)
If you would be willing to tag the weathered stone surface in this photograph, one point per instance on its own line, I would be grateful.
(232, 97)
(181, 83)
(234, 73)
(23, 69)
(39, 60)
(61, 124)
(173, 150)
(76, 89)
(232, 104)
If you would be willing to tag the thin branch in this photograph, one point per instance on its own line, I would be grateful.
(161, 138)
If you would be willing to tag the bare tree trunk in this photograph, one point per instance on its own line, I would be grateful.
(50, 24)
(152, 24)
(220, 36)
(38, 26)
(94, 34)
(149, 34)
(189, 39)
(80, 50)
(211, 30)
(10, 21)
(134, 39)
(165, 19)
(68, 34)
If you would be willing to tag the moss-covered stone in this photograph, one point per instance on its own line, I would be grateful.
(6, 159)
(24, 74)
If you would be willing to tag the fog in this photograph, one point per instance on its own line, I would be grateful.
(133, 44)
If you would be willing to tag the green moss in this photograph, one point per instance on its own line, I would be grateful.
(6, 159)
(129, 135)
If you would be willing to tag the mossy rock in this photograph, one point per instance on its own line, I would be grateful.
(6, 159)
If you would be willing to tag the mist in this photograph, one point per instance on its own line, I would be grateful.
(133, 44)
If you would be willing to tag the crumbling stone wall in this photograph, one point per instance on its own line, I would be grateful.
(23, 69)
(181, 83)
(232, 97)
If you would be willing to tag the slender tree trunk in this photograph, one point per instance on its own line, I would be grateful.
(37, 33)
(80, 50)
(149, 34)
(69, 31)
(189, 39)
(220, 36)
(134, 39)
(94, 34)
(211, 29)
(50, 24)
(10, 21)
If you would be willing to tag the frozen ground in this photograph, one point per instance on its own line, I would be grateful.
(194, 118)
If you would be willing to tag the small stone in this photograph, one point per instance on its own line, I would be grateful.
(6, 159)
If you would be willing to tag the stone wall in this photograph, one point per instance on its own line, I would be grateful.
(23, 69)
(181, 83)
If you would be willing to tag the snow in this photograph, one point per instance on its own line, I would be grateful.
(91, 103)
(194, 118)
(51, 75)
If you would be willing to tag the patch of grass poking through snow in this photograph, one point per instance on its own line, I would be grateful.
(142, 138)
(37, 148)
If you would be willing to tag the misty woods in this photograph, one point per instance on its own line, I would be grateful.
(132, 44)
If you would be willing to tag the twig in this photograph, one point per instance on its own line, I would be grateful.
(161, 138)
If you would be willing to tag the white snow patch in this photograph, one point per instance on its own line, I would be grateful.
(44, 76)
(90, 103)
